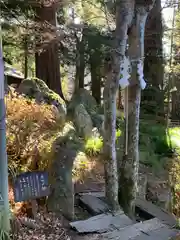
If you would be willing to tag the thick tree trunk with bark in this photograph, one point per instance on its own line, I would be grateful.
(25, 57)
(128, 176)
(124, 14)
(47, 59)
(110, 161)
(154, 63)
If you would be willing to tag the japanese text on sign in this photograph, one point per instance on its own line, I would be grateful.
(31, 185)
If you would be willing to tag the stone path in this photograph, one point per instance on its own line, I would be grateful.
(106, 226)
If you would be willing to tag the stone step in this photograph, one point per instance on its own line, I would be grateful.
(102, 223)
(148, 230)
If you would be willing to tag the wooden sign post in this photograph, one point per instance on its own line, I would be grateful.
(29, 186)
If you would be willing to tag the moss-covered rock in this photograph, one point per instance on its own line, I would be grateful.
(37, 89)
(83, 121)
(68, 138)
(83, 97)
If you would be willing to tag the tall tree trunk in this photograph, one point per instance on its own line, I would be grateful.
(154, 63)
(119, 102)
(110, 161)
(124, 10)
(95, 78)
(130, 165)
(47, 60)
(25, 57)
(80, 63)
(175, 114)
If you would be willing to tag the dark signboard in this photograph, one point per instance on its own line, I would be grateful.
(31, 185)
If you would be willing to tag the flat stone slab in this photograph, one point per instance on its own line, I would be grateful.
(89, 187)
(93, 204)
(163, 233)
(95, 194)
(102, 223)
(146, 206)
(135, 230)
(156, 211)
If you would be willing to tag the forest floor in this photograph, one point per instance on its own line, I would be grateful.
(50, 227)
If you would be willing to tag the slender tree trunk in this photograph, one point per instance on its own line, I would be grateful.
(80, 67)
(130, 164)
(4, 201)
(47, 60)
(110, 161)
(124, 10)
(176, 103)
(95, 78)
(25, 57)
(119, 103)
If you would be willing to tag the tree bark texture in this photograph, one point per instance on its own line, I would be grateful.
(154, 63)
(124, 14)
(120, 100)
(80, 63)
(47, 59)
(175, 113)
(95, 77)
(61, 200)
(25, 57)
(128, 175)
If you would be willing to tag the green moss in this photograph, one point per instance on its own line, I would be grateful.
(84, 97)
(40, 83)
(36, 88)
(153, 144)
(49, 94)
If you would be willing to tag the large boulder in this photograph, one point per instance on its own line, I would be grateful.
(83, 121)
(83, 97)
(37, 89)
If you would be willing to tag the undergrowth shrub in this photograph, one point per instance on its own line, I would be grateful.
(154, 145)
(93, 146)
(31, 129)
(155, 137)
(174, 139)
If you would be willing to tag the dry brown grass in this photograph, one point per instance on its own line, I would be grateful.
(30, 127)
